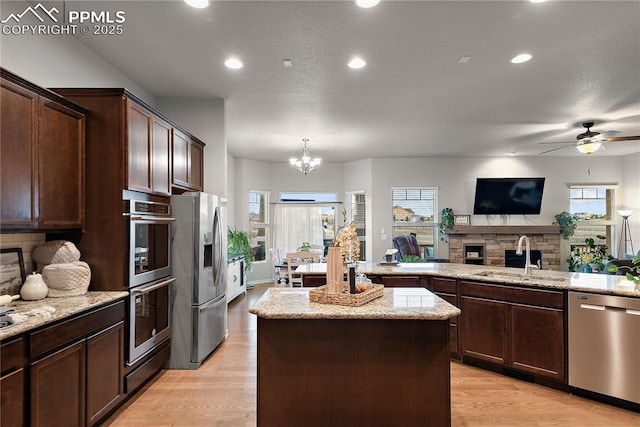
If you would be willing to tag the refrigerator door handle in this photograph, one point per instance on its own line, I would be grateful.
(211, 304)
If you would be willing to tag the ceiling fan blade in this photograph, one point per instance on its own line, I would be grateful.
(556, 149)
(624, 138)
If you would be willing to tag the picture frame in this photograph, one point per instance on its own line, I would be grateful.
(12, 273)
(462, 220)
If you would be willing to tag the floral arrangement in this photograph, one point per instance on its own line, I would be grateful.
(592, 254)
(347, 241)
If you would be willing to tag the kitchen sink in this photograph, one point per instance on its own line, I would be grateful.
(495, 274)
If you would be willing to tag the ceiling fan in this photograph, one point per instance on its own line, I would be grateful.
(589, 142)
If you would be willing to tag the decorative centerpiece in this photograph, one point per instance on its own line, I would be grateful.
(368, 293)
(345, 249)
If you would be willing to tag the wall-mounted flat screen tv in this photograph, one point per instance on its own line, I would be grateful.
(508, 196)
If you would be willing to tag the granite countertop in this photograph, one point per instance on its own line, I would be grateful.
(549, 279)
(396, 303)
(64, 307)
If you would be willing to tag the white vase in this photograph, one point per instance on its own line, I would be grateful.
(34, 288)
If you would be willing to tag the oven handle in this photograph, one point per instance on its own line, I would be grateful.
(146, 290)
(152, 218)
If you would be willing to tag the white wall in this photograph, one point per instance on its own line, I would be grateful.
(205, 119)
(358, 177)
(231, 191)
(456, 178)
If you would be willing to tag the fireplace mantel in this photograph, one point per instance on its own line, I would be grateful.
(505, 229)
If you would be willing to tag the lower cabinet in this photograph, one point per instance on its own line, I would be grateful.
(12, 383)
(69, 373)
(519, 328)
(57, 388)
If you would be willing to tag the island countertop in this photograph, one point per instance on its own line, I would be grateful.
(64, 307)
(549, 279)
(396, 303)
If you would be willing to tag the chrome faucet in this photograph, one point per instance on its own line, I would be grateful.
(527, 261)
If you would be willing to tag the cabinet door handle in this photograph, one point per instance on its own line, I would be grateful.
(235, 278)
(593, 307)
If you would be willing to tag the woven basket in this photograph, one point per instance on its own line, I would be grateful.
(67, 280)
(322, 296)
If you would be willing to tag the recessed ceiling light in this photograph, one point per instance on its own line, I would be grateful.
(233, 63)
(464, 60)
(537, 1)
(519, 59)
(198, 4)
(367, 3)
(356, 63)
(513, 153)
(287, 63)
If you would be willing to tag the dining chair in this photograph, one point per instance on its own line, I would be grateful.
(294, 259)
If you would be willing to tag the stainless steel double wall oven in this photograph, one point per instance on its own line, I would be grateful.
(150, 276)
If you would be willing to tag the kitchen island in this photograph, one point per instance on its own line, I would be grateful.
(383, 363)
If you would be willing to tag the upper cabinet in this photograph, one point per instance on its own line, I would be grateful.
(187, 161)
(149, 152)
(153, 154)
(41, 158)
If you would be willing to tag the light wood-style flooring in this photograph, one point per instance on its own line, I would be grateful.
(223, 392)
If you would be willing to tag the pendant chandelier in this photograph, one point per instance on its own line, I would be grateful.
(305, 164)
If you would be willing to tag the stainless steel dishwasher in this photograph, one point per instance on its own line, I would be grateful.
(604, 344)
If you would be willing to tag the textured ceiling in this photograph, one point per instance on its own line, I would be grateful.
(413, 98)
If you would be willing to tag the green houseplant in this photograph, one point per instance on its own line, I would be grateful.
(304, 247)
(567, 223)
(238, 244)
(614, 269)
(446, 223)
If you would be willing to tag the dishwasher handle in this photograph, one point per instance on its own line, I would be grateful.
(597, 307)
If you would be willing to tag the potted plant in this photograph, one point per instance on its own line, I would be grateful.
(567, 223)
(589, 259)
(628, 270)
(238, 244)
(446, 223)
(304, 247)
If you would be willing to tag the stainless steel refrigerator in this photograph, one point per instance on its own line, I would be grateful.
(199, 255)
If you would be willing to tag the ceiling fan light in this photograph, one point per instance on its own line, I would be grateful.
(589, 147)
(519, 59)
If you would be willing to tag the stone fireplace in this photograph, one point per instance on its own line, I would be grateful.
(487, 244)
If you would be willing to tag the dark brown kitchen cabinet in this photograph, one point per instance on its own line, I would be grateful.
(447, 289)
(76, 371)
(484, 329)
(41, 158)
(12, 383)
(397, 281)
(104, 371)
(187, 161)
(149, 151)
(519, 328)
(57, 388)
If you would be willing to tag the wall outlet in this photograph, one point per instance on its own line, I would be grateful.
(383, 237)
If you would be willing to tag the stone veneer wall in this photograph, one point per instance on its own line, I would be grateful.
(496, 244)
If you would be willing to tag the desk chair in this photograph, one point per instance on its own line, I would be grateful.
(294, 259)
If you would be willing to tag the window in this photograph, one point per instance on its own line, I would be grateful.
(259, 224)
(356, 212)
(414, 211)
(594, 204)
